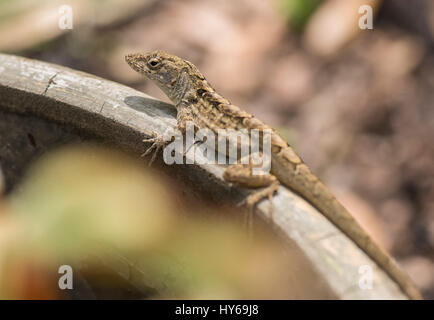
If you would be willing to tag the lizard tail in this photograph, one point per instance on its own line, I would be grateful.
(302, 181)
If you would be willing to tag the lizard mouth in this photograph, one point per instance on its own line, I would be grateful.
(129, 58)
(135, 62)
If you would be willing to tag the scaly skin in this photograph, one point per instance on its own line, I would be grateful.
(198, 102)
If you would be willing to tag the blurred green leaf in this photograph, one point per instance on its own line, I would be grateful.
(92, 204)
(298, 12)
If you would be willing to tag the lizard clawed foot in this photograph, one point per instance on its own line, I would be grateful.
(158, 143)
(251, 200)
(268, 192)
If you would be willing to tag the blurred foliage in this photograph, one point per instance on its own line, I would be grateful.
(10, 8)
(30, 24)
(89, 205)
(298, 12)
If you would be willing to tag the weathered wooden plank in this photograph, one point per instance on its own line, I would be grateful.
(124, 116)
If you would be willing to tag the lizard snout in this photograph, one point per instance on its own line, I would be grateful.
(129, 58)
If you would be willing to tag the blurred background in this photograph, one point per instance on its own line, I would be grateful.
(357, 105)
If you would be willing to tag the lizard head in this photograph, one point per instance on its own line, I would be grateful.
(175, 76)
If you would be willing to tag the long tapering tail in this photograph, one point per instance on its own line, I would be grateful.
(299, 178)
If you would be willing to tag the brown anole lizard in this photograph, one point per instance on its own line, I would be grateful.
(196, 101)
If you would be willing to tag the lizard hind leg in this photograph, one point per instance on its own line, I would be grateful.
(242, 175)
(257, 196)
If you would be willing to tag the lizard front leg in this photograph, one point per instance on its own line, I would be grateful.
(158, 143)
(242, 175)
(161, 141)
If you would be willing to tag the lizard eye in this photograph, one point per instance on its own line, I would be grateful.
(154, 62)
